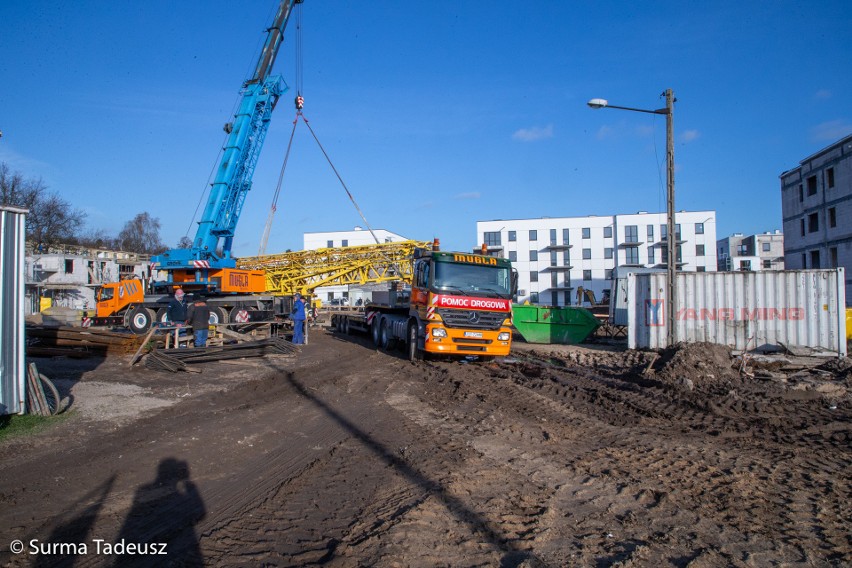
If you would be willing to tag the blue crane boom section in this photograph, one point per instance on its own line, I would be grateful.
(211, 247)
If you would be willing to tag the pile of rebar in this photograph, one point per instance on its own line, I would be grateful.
(49, 341)
(174, 360)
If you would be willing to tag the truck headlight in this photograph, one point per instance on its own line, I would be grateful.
(503, 336)
(439, 332)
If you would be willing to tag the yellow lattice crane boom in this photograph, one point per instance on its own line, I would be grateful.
(305, 270)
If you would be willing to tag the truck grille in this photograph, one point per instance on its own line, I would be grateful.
(472, 319)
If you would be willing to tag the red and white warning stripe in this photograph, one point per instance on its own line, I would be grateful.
(430, 313)
(201, 263)
(370, 316)
(241, 316)
(87, 322)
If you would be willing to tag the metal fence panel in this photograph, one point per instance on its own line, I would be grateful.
(12, 342)
(741, 309)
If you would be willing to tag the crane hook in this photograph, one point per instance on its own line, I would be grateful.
(300, 102)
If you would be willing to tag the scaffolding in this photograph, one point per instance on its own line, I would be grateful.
(306, 270)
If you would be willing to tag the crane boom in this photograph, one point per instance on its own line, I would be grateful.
(211, 247)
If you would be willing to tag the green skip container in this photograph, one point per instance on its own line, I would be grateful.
(546, 324)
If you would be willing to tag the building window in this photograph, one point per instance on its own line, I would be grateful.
(607, 253)
(608, 274)
(565, 239)
(767, 264)
(566, 258)
(832, 253)
(745, 265)
(552, 237)
(631, 234)
(650, 233)
(554, 298)
(832, 217)
(587, 233)
(533, 255)
(650, 255)
(69, 265)
(587, 275)
(812, 185)
(533, 235)
(344, 243)
(664, 232)
(567, 298)
(699, 250)
(677, 231)
(829, 177)
(607, 232)
(513, 236)
(631, 255)
(533, 275)
(813, 222)
(742, 250)
(767, 247)
(802, 223)
(815, 259)
(700, 269)
(492, 238)
(804, 260)
(533, 297)
(699, 228)
(587, 254)
(801, 193)
(329, 244)
(554, 280)
(553, 258)
(513, 255)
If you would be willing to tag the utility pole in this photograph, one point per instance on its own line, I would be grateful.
(671, 242)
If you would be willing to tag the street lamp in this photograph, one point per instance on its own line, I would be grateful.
(671, 237)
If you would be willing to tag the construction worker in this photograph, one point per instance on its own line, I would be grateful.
(176, 310)
(298, 316)
(198, 316)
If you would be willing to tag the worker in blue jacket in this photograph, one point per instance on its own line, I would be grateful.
(298, 317)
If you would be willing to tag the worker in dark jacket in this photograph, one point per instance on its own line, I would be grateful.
(198, 316)
(298, 317)
(176, 311)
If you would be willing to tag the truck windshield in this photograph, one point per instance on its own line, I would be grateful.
(474, 279)
(104, 294)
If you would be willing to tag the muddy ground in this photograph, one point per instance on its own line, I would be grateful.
(347, 456)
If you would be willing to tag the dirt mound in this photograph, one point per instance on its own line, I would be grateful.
(695, 364)
(842, 368)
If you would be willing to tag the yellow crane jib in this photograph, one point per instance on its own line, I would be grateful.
(304, 271)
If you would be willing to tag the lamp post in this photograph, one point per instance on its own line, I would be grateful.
(671, 237)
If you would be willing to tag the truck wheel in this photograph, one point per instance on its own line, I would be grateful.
(345, 324)
(411, 343)
(218, 315)
(376, 330)
(162, 315)
(141, 320)
(387, 336)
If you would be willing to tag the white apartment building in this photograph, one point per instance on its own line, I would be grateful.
(763, 251)
(555, 256)
(353, 238)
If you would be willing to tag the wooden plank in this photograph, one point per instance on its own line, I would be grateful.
(141, 347)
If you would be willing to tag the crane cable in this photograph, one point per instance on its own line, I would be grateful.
(299, 102)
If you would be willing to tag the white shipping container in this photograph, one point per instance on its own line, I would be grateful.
(743, 310)
(12, 343)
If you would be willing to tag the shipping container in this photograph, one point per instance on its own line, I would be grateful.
(743, 310)
(12, 342)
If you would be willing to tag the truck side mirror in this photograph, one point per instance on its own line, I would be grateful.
(514, 281)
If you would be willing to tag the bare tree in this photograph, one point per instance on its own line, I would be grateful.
(141, 234)
(51, 219)
(97, 238)
(184, 243)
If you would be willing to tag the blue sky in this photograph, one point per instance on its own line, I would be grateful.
(436, 115)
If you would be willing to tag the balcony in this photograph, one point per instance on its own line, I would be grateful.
(554, 246)
(630, 244)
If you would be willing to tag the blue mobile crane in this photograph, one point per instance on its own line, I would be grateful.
(207, 266)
